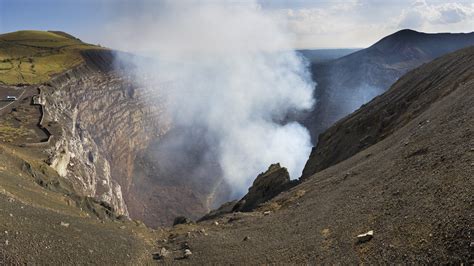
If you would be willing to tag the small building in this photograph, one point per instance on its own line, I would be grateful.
(11, 98)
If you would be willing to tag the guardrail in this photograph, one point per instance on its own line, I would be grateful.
(35, 101)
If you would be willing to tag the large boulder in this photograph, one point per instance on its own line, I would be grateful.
(265, 187)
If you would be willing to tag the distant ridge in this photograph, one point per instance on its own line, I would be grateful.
(344, 84)
(428, 45)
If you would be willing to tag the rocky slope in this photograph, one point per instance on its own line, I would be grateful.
(346, 83)
(388, 112)
(44, 221)
(410, 182)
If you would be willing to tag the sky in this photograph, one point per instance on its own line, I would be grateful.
(312, 24)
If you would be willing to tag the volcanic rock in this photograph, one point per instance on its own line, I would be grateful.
(362, 238)
(163, 253)
(187, 253)
(181, 220)
(266, 186)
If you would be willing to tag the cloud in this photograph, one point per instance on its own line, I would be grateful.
(361, 23)
(316, 24)
(339, 24)
(232, 76)
(424, 15)
(411, 19)
(454, 13)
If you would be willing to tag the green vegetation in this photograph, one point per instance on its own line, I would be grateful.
(32, 57)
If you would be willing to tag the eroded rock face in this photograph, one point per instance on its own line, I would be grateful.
(108, 136)
(115, 142)
(265, 187)
(101, 125)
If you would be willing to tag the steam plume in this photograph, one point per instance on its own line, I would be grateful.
(232, 73)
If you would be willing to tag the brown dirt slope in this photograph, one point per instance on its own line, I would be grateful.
(410, 181)
(43, 222)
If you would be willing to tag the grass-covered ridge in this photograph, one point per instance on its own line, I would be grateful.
(32, 57)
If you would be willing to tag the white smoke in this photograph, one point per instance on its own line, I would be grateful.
(232, 72)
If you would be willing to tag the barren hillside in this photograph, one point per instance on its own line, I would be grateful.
(410, 181)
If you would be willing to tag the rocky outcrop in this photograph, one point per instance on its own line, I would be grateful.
(265, 187)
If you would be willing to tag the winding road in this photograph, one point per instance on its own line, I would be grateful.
(12, 102)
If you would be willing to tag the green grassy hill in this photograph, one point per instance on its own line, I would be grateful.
(32, 57)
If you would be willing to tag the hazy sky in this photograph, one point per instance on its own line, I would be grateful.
(313, 24)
